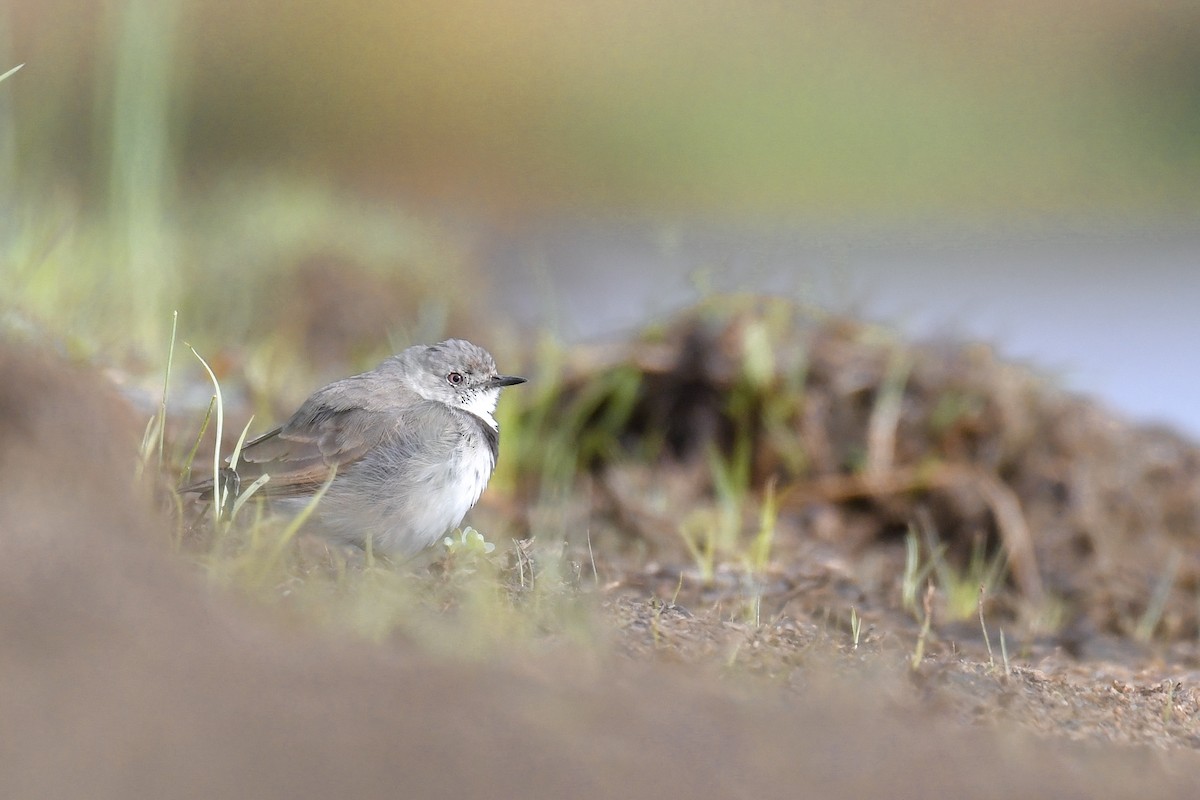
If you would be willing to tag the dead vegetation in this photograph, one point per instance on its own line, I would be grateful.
(854, 439)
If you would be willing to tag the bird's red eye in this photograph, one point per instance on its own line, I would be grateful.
(455, 378)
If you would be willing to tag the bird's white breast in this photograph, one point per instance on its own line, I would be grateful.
(444, 507)
(473, 474)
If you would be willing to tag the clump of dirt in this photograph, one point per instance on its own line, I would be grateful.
(852, 439)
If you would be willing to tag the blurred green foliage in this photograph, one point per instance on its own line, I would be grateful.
(185, 154)
(723, 106)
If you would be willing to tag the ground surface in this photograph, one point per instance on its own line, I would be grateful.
(890, 470)
(753, 493)
(709, 577)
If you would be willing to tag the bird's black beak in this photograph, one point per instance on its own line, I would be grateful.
(505, 380)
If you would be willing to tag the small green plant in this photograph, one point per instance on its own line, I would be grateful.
(982, 574)
(470, 543)
(220, 491)
(155, 434)
(915, 573)
(960, 587)
(1004, 655)
(731, 486)
(855, 626)
(758, 555)
(713, 533)
(885, 416)
(987, 640)
(927, 606)
(697, 529)
(185, 469)
(1148, 623)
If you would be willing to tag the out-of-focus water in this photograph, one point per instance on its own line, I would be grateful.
(1111, 313)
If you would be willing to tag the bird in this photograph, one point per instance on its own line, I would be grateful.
(406, 449)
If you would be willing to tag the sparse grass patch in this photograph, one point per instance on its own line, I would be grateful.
(960, 587)
(462, 598)
(1150, 619)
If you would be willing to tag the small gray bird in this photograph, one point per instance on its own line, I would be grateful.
(413, 443)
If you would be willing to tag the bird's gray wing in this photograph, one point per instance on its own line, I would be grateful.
(331, 430)
(338, 426)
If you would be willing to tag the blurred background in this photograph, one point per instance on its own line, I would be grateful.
(317, 180)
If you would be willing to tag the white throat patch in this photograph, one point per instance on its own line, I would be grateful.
(482, 404)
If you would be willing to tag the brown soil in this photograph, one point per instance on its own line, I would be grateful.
(124, 676)
(863, 440)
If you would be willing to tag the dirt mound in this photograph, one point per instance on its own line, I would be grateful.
(125, 676)
(856, 438)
